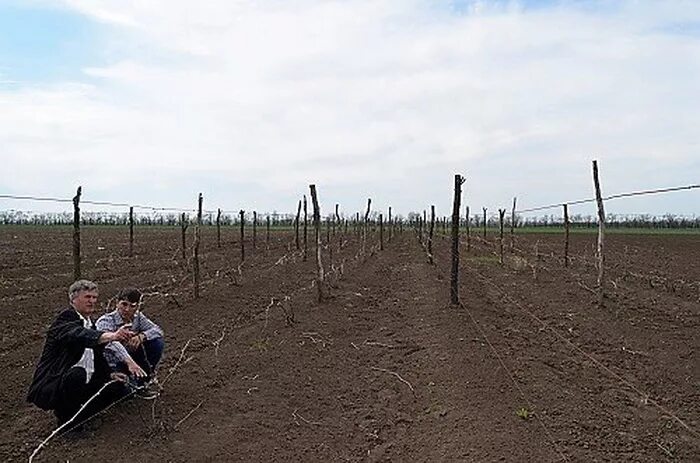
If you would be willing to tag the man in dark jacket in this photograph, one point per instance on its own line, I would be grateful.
(72, 367)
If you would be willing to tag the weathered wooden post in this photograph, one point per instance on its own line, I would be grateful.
(430, 235)
(484, 222)
(195, 263)
(317, 227)
(218, 227)
(131, 231)
(76, 234)
(566, 235)
(183, 228)
(296, 225)
(336, 219)
(501, 216)
(469, 242)
(366, 226)
(328, 230)
(454, 289)
(381, 232)
(241, 213)
(305, 229)
(267, 227)
(601, 233)
(255, 229)
(512, 225)
(391, 225)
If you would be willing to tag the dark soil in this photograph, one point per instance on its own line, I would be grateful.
(528, 368)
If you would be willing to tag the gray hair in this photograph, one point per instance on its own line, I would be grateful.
(80, 285)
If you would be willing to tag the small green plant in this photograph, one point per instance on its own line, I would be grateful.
(262, 345)
(523, 413)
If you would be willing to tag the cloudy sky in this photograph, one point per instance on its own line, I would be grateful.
(152, 102)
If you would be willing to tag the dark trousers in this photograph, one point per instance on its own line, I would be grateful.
(147, 356)
(74, 392)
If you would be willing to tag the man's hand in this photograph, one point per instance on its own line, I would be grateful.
(135, 342)
(135, 370)
(119, 377)
(123, 334)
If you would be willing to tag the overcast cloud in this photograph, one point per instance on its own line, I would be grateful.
(250, 101)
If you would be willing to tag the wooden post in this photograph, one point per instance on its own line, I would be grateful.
(484, 222)
(305, 229)
(566, 235)
(601, 234)
(469, 243)
(267, 226)
(454, 289)
(430, 235)
(328, 230)
(381, 232)
(317, 227)
(420, 230)
(336, 220)
(501, 216)
(255, 229)
(296, 225)
(241, 213)
(131, 231)
(183, 227)
(391, 225)
(218, 228)
(512, 225)
(366, 226)
(76, 234)
(425, 225)
(195, 264)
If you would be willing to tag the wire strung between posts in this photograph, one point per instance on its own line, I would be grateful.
(510, 376)
(105, 203)
(615, 196)
(588, 356)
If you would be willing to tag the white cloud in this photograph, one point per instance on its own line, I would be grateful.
(356, 93)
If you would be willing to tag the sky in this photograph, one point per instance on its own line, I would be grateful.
(249, 102)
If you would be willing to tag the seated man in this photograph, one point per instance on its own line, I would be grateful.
(139, 355)
(72, 369)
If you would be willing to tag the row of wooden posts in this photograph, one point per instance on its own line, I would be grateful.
(362, 229)
(454, 296)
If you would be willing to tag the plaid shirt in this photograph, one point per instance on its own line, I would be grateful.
(115, 352)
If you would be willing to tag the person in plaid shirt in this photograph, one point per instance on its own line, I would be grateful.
(138, 356)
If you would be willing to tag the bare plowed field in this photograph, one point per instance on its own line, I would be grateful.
(528, 368)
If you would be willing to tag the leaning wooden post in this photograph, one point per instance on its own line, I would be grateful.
(381, 232)
(218, 227)
(317, 227)
(365, 227)
(512, 225)
(195, 263)
(76, 234)
(183, 227)
(296, 226)
(241, 213)
(336, 220)
(430, 235)
(305, 228)
(601, 233)
(454, 290)
(566, 235)
(255, 229)
(131, 231)
(501, 216)
(484, 222)
(469, 242)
